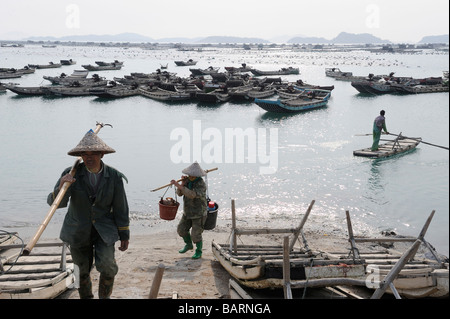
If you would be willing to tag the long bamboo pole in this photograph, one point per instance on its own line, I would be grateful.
(56, 202)
(418, 139)
(167, 185)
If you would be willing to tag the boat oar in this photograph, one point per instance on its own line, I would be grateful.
(167, 185)
(418, 139)
(56, 202)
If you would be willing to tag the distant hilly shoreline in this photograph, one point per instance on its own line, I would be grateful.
(342, 38)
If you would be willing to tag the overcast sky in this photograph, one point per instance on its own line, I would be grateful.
(394, 20)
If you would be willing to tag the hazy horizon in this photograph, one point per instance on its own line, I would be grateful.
(395, 21)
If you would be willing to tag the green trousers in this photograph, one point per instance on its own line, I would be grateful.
(195, 226)
(105, 263)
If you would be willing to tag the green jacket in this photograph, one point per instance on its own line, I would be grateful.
(194, 201)
(108, 212)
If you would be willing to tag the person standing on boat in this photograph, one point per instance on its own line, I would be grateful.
(193, 188)
(379, 124)
(97, 216)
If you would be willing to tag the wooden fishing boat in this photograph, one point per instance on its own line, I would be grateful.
(103, 63)
(391, 147)
(117, 91)
(68, 62)
(44, 274)
(50, 65)
(336, 72)
(102, 67)
(215, 96)
(369, 274)
(282, 71)
(28, 90)
(239, 69)
(185, 63)
(165, 95)
(311, 99)
(65, 79)
(207, 71)
(374, 87)
(12, 74)
(261, 92)
(76, 88)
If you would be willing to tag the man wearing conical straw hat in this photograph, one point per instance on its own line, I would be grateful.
(97, 216)
(193, 190)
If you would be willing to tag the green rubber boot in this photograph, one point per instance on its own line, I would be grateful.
(188, 246)
(198, 250)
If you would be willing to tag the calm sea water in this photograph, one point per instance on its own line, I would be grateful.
(312, 151)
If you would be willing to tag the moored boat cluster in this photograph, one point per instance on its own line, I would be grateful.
(383, 84)
(203, 85)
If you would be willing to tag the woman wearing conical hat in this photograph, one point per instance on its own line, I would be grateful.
(97, 216)
(193, 190)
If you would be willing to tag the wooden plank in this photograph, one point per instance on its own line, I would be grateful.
(28, 276)
(239, 272)
(33, 268)
(236, 291)
(28, 284)
(49, 292)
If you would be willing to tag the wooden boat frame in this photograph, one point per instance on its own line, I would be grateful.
(349, 272)
(399, 145)
(40, 275)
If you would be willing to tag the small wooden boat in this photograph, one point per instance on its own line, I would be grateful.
(398, 146)
(29, 90)
(336, 72)
(374, 87)
(44, 274)
(165, 95)
(282, 71)
(185, 63)
(10, 75)
(65, 79)
(50, 65)
(242, 68)
(207, 71)
(115, 62)
(310, 99)
(102, 67)
(68, 62)
(215, 96)
(116, 91)
(261, 92)
(25, 70)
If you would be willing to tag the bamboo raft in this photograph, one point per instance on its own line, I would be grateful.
(392, 147)
(349, 274)
(44, 274)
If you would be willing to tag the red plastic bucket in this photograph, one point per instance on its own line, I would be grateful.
(168, 212)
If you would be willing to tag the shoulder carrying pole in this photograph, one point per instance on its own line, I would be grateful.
(56, 202)
(167, 185)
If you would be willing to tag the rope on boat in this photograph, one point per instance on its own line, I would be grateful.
(21, 250)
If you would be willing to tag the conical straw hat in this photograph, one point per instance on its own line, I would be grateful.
(91, 143)
(194, 170)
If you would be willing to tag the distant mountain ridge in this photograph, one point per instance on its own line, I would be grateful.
(342, 38)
